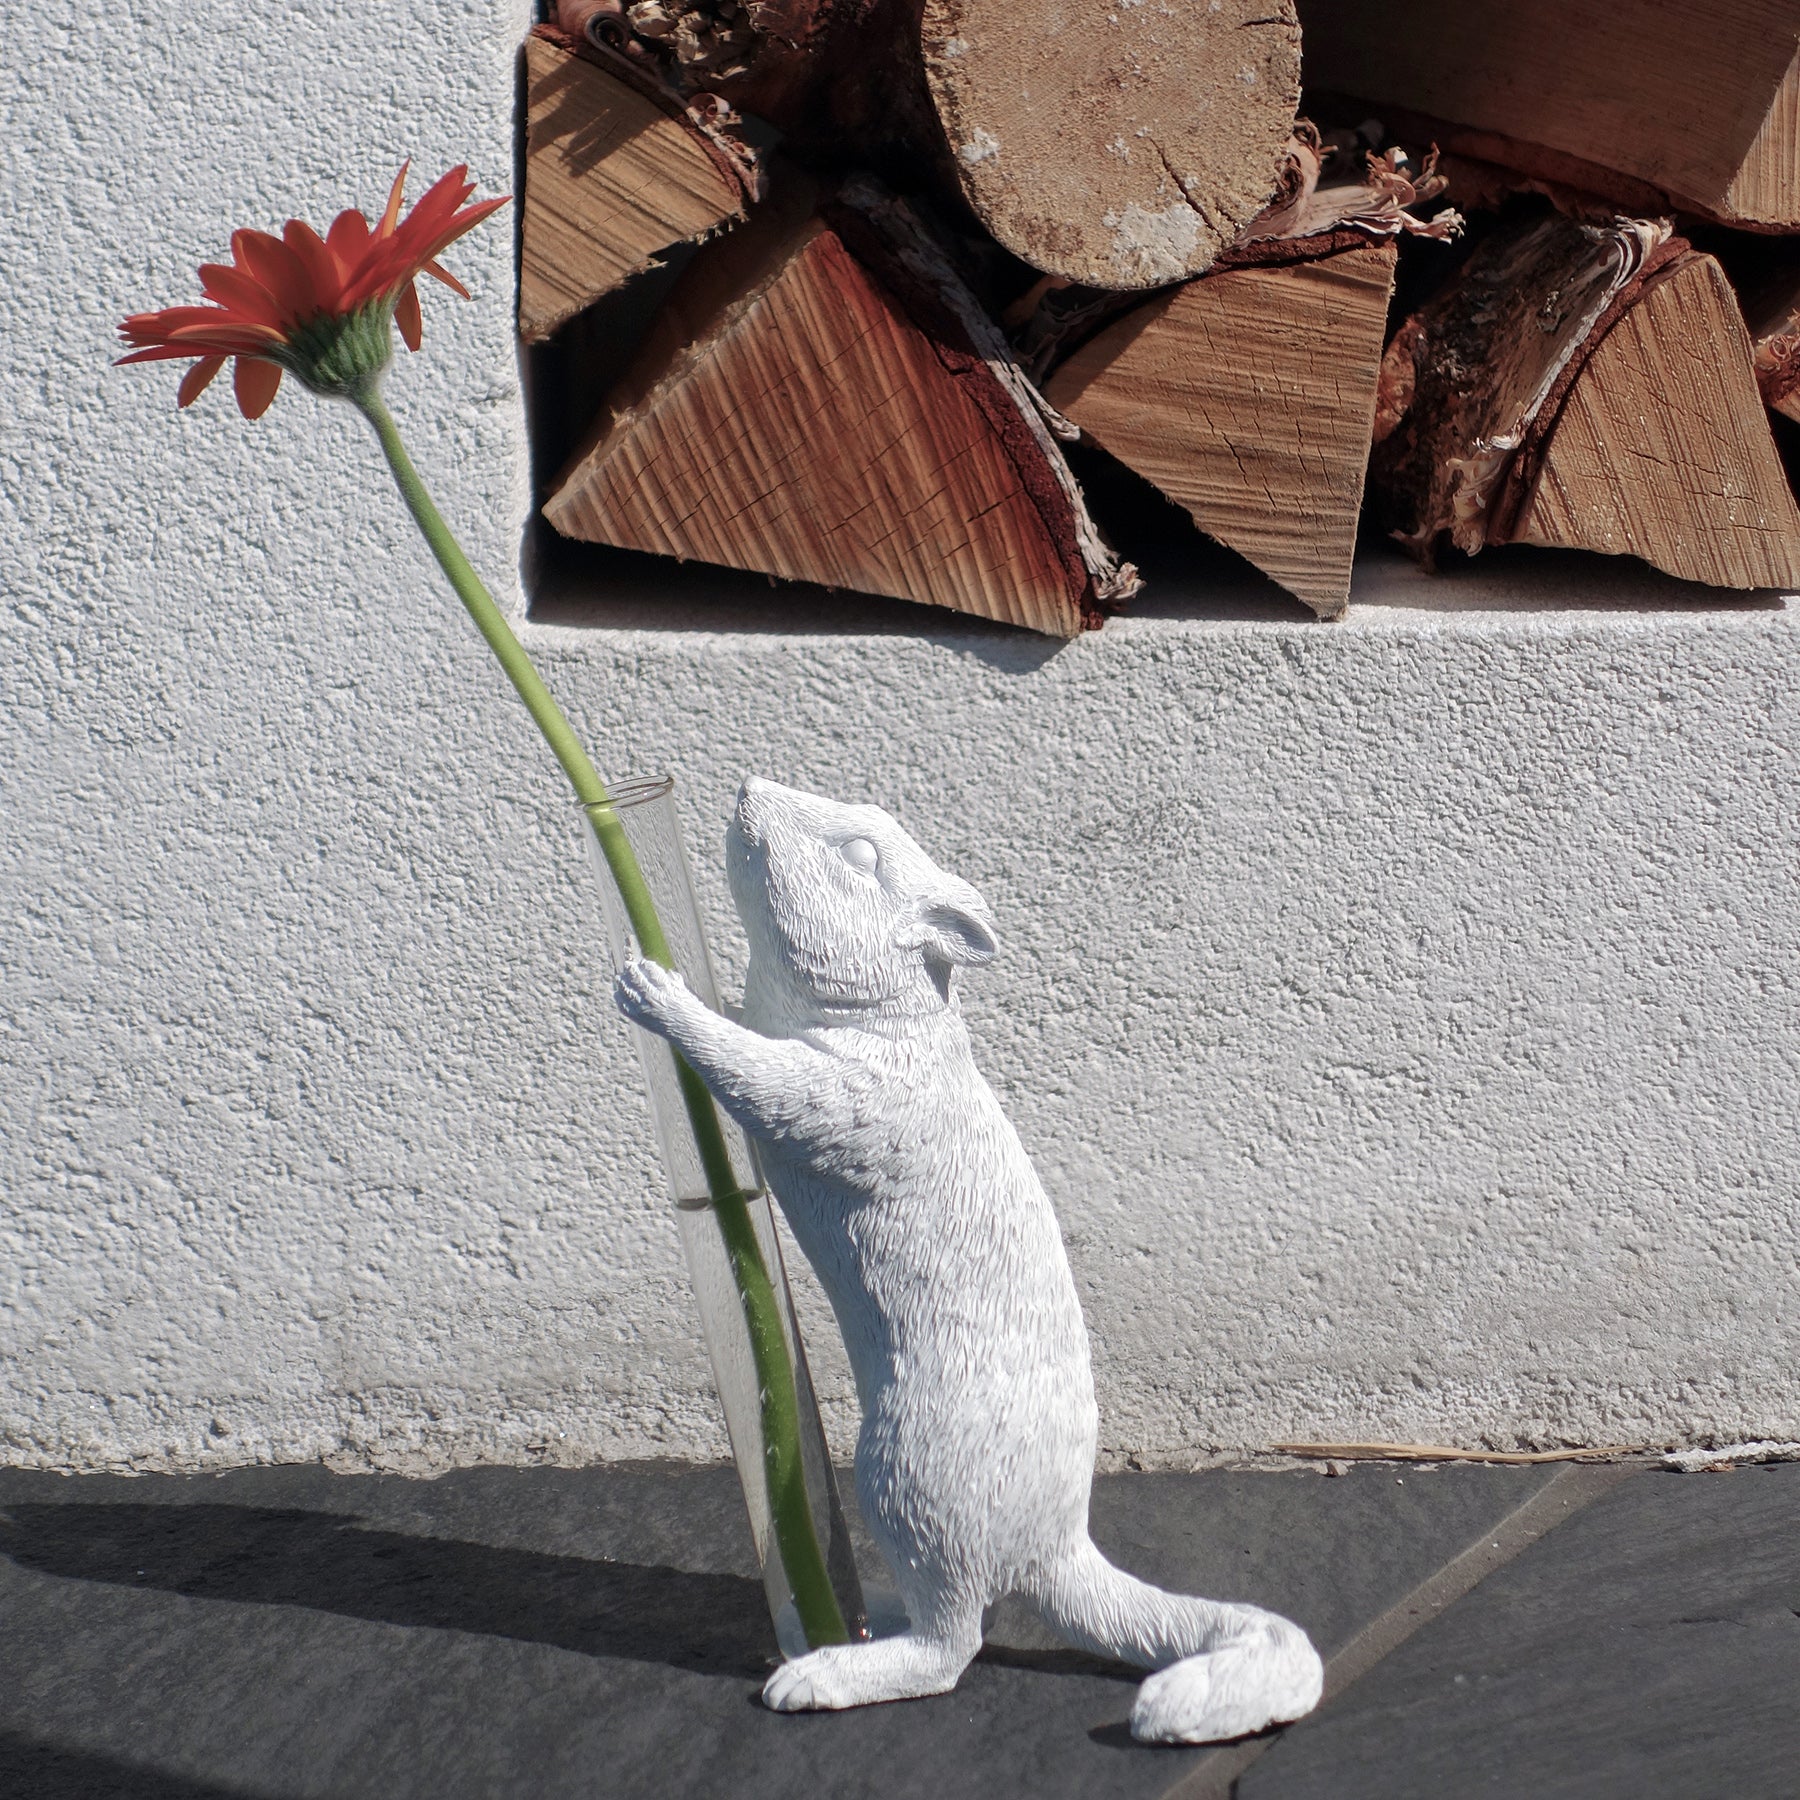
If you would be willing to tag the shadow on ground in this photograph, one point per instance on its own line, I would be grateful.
(708, 1623)
(289, 1634)
(35, 1771)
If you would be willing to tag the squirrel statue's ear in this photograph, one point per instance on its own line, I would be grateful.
(955, 926)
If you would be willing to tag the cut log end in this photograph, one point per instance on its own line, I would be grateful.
(612, 179)
(1122, 147)
(789, 416)
(1765, 191)
(1248, 397)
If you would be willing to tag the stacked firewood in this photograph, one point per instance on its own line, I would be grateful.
(1500, 274)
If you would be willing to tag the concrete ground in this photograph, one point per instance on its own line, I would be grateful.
(286, 1632)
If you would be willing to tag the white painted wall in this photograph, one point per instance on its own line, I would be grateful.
(1403, 1014)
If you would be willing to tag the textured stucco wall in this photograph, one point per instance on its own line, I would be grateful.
(1403, 1014)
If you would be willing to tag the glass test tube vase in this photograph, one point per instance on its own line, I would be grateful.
(734, 1259)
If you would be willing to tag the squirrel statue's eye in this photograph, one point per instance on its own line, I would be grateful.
(860, 854)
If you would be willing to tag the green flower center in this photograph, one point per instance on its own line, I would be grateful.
(341, 354)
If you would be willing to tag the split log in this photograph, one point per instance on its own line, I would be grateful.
(1697, 101)
(1669, 389)
(1248, 396)
(1588, 388)
(820, 399)
(617, 170)
(1120, 145)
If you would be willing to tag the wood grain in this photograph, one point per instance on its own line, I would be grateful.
(788, 417)
(1247, 397)
(1695, 97)
(1766, 188)
(611, 181)
(1662, 449)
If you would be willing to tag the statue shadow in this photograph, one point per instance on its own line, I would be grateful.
(35, 1770)
(711, 1624)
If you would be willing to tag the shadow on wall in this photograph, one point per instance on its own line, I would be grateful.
(1187, 577)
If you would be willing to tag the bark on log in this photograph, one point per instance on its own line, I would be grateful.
(616, 172)
(1772, 314)
(1698, 100)
(1589, 388)
(821, 400)
(1248, 397)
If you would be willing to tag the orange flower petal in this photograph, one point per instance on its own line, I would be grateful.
(321, 266)
(261, 255)
(196, 331)
(443, 197)
(156, 353)
(466, 220)
(158, 324)
(416, 243)
(348, 238)
(406, 316)
(254, 382)
(223, 340)
(239, 292)
(198, 379)
(391, 215)
(438, 272)
(270, 262)
(274, 284)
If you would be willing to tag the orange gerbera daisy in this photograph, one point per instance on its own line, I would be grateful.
(320, 307)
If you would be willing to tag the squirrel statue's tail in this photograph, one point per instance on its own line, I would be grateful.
(1222, 1670)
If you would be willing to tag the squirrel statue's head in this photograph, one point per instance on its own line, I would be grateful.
(842, 908)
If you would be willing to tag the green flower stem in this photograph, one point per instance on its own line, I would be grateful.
(814, 1599)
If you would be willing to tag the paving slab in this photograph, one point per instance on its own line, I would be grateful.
(1649, 1649)
(285, 1633)
(289, 1632)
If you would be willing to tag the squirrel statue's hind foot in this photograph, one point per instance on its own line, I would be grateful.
(1230, 1692)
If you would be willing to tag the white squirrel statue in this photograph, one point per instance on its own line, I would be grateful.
(911, 1195)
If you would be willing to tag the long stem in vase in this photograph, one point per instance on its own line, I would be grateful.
(814, 1600)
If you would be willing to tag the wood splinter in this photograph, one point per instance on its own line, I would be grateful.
(1772, 315)
(821, 399)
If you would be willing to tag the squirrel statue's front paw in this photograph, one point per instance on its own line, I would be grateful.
(648, 994)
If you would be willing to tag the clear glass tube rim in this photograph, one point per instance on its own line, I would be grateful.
(630, 791)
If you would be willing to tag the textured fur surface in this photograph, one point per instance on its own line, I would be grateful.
(911, 1195)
